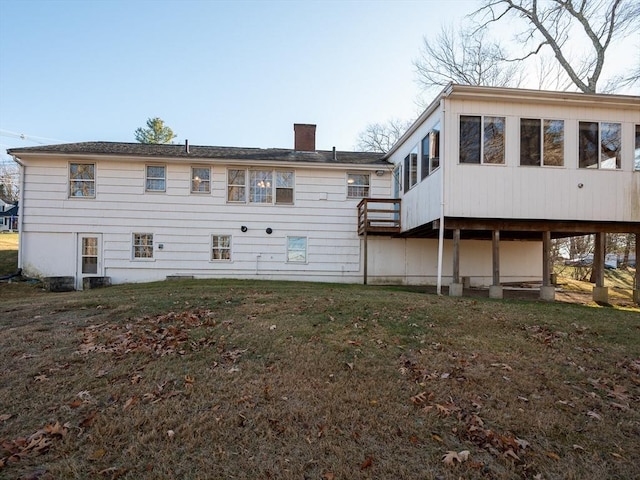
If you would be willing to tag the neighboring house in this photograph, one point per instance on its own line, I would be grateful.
(8, 217)
(472, 193)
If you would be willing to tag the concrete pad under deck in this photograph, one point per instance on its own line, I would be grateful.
(455, 289)
(548, 293)
(601, 294)
(495, 291)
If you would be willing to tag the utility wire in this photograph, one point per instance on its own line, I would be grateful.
(29, 138)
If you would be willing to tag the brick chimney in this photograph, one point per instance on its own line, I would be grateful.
(305, 137)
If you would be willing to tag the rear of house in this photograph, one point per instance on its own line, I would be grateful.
(474, 190)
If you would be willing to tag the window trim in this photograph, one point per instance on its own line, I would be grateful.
(354, 185)
(306, 250)
(70, 181)
(133, 248)
(147, 178)
(482, 140)
(191, 180)
(229, 249)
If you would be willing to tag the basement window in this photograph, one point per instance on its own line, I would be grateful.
(541, 142)
(82, 180)
(142, 246)
(297, 249)
(221, 247)
(482, 139)
(600, 145)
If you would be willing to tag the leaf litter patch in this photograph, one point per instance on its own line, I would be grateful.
(158, 335)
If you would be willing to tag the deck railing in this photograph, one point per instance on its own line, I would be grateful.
(379, 216)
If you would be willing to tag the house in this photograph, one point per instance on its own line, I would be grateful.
(472, 193)
(8, 217)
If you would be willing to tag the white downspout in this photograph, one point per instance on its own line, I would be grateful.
(22, 169)
(441, 222)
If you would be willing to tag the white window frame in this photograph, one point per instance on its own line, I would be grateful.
(219, 236)
(598, 165)
(269, 181)
(139, 245)
(483, 121)
(89, 182)
(541, 145)
(354, 188)
(148, 178)
(195, 179)
(291, 251)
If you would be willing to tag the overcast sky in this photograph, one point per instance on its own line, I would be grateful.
(232, 73)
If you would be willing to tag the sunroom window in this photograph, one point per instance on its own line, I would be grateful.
(637, 149)
(541, 142)
(430, 152)
(600, 145)
(482, 139)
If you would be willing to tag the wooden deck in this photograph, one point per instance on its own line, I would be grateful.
(379, 216)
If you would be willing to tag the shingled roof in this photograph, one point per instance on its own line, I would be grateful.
(204, 152)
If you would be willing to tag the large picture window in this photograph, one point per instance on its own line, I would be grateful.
(541, 142)
(200, 180)
(600, 145)
(155, 178)
(221, 247)
(82, 180)
(482, 139)
(358, 185)
(297, 249)
(261, 187)
(142, 245)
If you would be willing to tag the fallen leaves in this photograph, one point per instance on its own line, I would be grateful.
(367, 463)
(158, 335)
(451, 457)
(35, 444)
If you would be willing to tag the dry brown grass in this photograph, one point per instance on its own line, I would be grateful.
(294, 380)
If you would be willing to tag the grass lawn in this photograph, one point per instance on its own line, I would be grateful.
(247, 379)
(8, 253)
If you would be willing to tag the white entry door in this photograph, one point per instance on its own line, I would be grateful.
(89, 262)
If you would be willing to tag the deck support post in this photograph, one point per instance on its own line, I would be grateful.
(495, 290)
(547, 290)
(600, 292)
(456, 288)
(636, 287)
(365, 260)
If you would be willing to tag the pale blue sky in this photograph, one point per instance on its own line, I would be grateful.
(219, 73)
(234, 73)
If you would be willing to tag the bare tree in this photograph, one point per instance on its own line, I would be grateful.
(380, 137)
(464, 57)
(578, 33)
(8, 181)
